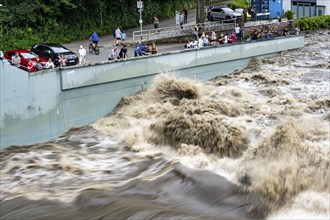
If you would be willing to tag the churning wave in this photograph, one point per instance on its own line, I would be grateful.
(251, 144)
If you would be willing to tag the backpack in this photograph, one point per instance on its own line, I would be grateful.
(114, 33)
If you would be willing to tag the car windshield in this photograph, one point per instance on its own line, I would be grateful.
(228, 10)
(59, 49)
(28, 55)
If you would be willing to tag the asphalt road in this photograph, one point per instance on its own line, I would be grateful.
(106, 42)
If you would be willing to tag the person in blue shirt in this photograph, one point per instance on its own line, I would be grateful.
(95, 38)
(138, 49)
(123, 38)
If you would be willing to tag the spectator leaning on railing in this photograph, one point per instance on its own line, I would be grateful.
(16, 60)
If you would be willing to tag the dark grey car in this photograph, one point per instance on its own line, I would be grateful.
(54, 51)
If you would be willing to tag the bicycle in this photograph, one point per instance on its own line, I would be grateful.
(93, 48)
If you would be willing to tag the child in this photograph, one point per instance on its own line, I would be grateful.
(123, 37)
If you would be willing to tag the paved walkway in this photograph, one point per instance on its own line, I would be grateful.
(106, 42)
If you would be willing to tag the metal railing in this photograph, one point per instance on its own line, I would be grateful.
(148, 34)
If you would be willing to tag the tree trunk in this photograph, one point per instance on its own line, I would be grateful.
(200, 11)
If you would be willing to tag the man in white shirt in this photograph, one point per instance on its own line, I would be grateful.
(49, 64)
(114, 54)
(16, 60)
(82, 55)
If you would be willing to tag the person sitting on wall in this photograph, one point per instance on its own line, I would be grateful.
(16, 60)
(138, 49)
(154, 48)
(213, 37)
(187, 45)
(222, 39)
(205, 41)
(286, 32)
(145, 50)
(62, 60)
(232, 38)
(113, 54)
(123, 52)
(195, 33)
(255, 35)
(268, 35)
(30, 66)
(39, 65)
(49, 64)
(261, 35)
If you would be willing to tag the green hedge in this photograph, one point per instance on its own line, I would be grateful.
(239, 4)
(313, 23)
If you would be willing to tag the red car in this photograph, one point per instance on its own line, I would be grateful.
(25, 55)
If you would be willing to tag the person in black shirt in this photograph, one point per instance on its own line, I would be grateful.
(145, 50)
(123, 52)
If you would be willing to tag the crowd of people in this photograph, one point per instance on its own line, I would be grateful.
(201, 39)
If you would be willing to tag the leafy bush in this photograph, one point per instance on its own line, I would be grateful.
(313, 23)
(239, 4)
(289, 14)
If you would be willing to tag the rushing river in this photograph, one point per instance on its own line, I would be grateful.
(252, 144)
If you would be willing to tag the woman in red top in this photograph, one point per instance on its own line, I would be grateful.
(30, 66)
(232, 38)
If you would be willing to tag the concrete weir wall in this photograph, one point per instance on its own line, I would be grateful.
(36, 108)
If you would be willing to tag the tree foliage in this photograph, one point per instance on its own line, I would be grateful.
(239, 4)
(26, 22)
(289, 14)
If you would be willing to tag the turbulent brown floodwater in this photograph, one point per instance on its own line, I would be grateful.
(252, 144)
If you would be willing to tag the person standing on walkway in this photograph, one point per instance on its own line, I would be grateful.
(123, 38)
(156, 23)
(238, 32)
(213, 37)
(82, 55)
(118, 36)
(181, 19)
(185, 11)
(253, 13)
